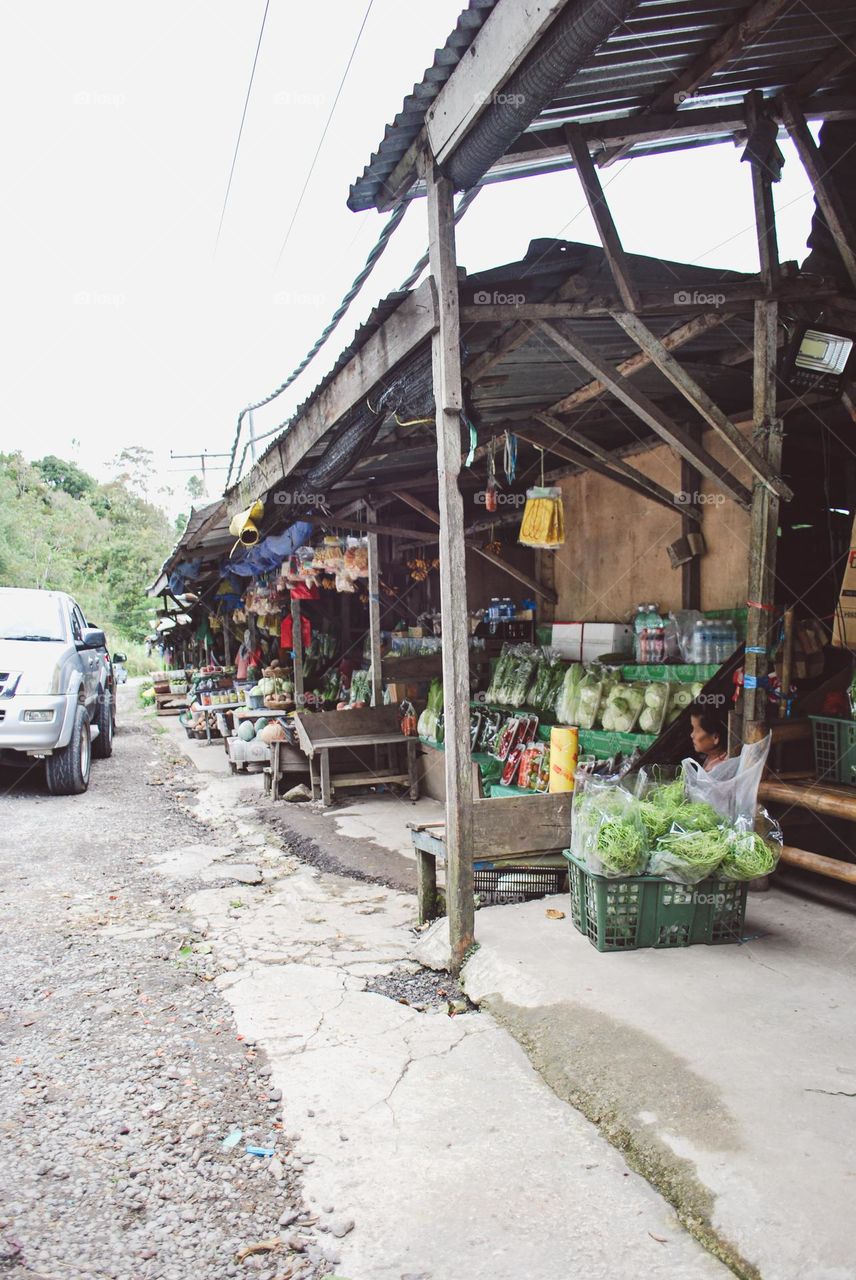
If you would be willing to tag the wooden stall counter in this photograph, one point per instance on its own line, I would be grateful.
(357, 733)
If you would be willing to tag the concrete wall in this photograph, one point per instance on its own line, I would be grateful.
(615, 554)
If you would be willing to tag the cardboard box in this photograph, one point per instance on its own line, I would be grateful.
(844, 630)
(588, 641)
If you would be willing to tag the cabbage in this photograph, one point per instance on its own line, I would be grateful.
(656, 695)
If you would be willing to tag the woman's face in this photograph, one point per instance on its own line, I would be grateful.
(703, 742)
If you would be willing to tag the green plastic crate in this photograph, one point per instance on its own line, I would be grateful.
(834, 749)
(605, 743)
(629, 912)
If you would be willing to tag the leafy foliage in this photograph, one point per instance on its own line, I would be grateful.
(103, 544)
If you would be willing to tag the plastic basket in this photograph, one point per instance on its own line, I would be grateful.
(834, 749)
(499, 886)
(630, 912)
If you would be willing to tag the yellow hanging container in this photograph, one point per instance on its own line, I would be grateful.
(244, 525)
(543, 519)
(564, 752)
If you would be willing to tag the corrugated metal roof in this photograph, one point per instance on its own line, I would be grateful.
(642, 58)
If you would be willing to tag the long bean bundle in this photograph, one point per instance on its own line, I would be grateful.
(749, 856)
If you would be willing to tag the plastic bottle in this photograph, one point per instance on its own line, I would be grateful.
(640, 622)
(697, 645)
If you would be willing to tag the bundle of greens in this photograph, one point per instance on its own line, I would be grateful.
(513, 676)
(428, 723)
(548, 680)
(607, 834)
(750, 853)
(689, 856)
(565, 707)
(589, 692)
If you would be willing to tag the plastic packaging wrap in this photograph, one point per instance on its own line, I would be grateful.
(732, 786)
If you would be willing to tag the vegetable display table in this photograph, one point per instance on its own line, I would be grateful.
(355, 734)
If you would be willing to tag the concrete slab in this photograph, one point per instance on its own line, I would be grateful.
(727, 1073)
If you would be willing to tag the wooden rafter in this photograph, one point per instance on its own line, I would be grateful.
(641, 360)
(511, 570)
(834, 210)
(757, 19)
(649, 412)
(828, 68)
(605, 463)
(738, 295)
(602, 216)
(696, 395)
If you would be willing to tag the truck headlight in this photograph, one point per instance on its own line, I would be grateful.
(38, 717)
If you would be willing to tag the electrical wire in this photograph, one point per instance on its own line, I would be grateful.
(241, 129)
(383, 239)
(324, 133)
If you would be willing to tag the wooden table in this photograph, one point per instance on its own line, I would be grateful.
(532, 829)
(378, 728)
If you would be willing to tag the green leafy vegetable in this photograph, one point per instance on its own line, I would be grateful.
(749, 856)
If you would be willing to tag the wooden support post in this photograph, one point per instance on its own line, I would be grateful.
(374, 612)
(834, 210)
(297, 648)
(764, 525)
(448, 399)
(691, 569)
(602, 216)
(787, 661)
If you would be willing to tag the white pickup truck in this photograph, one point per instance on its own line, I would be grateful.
(57, 692)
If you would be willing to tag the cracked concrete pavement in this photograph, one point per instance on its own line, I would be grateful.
(433, 1134)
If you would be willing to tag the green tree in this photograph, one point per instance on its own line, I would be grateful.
(67, 476)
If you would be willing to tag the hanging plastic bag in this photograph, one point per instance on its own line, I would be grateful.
(543, 519)
(731, 787)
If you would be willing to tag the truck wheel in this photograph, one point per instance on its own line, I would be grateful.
(68, 769)
(102, 747)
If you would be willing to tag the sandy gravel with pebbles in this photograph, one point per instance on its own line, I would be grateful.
(122, 1069)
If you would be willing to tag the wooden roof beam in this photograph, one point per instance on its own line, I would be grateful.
(605, 464)
(641, 360)
(602, 216)
(827, 69)
(696, 395)
(546, 593)
(757, 19)
(649, 413)
(833, 207)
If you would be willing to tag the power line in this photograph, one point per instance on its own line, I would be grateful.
(324, 133)
(389, 227)
(241, 129)
(377, 249)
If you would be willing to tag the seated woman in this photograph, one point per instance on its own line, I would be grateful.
(709, 734)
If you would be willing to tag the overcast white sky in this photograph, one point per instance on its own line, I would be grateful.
(123, 328)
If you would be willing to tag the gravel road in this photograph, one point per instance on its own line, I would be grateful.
(122, 1072)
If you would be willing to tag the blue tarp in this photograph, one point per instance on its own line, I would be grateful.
(269, 554)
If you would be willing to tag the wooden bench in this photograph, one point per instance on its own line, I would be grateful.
(358, 732)
(535, 828)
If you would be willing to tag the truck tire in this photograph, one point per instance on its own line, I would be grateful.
(104, 718)
(68, 768)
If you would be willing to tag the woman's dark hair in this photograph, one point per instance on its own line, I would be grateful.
(712, 721)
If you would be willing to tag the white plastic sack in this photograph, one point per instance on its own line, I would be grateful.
(731, 787)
